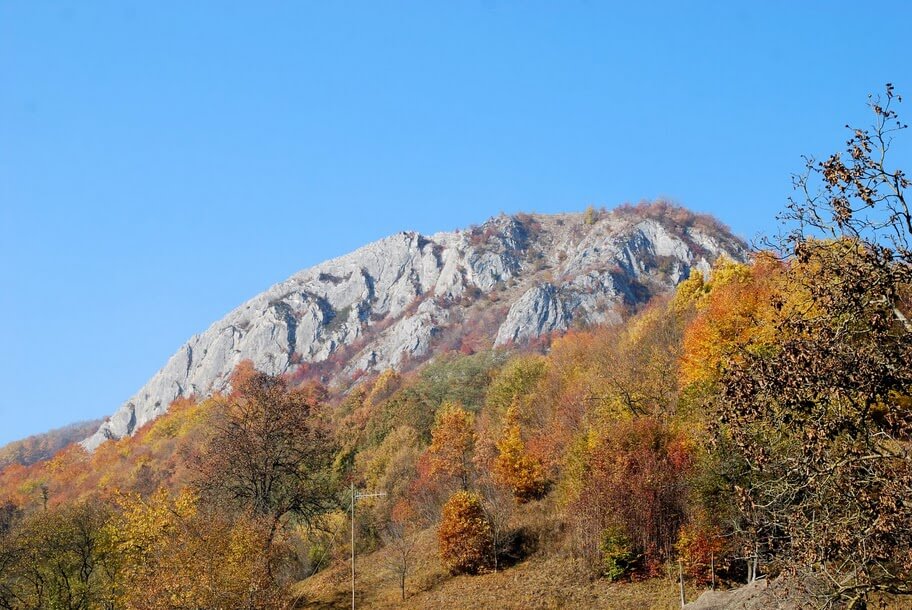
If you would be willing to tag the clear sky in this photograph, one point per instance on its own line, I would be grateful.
(161, 162)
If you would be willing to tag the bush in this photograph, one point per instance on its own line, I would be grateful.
(617, 555)
(590, 216)
(699, 546)
(465, 538)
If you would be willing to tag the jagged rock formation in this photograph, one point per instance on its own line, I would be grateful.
(396, 300)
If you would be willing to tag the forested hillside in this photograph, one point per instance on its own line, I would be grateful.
(595, 433)
(43, 446)
(753, 422)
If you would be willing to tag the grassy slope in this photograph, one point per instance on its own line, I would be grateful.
(539, 582)
(547, 578)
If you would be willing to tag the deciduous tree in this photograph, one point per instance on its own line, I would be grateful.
(269, 455)
(452, 445)
(822, 417)
(514, 467)
(464, 535)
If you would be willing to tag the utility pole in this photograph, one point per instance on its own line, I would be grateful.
(354, 498)
(353, 542)
(681, 577)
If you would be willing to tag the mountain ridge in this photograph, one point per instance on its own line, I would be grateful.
(397, 299)
(42, 446)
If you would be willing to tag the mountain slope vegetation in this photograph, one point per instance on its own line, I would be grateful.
(594, 452)
(40, 447)
(752, 423)
(396, 302)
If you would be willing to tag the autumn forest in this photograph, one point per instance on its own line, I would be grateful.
(755, 423)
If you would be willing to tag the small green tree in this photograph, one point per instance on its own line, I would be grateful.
(618, 557)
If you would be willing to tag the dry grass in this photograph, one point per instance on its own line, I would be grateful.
(540, 582)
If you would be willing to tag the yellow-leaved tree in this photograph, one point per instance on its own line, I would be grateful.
(452, 444)
(170, 553)
(514, 467)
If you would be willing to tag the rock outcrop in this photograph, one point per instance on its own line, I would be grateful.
(778, 594)
(396, 300)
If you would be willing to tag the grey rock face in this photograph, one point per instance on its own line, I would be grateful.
(516, 277)
(537, 311)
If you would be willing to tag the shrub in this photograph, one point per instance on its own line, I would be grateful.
(591, 215)
(699, 546)
(464, 536)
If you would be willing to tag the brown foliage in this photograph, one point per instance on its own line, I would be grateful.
(822, 417)
(824, 424)
(634, 489)
(464, 535)
(268, 454)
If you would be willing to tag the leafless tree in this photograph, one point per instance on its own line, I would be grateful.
(400, 542)
(498, 504)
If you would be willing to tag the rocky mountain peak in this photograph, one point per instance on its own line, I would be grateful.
(397, 300)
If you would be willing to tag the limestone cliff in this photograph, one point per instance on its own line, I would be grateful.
(396, 300)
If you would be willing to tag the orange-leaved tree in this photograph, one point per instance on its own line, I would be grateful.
(270, 455)
(452, 445)
(464, 535)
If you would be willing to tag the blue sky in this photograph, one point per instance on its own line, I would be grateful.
(161, 162)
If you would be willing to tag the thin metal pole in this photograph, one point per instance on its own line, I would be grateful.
(355, 497)
(681, 577)
(712, 564)
(353, 542)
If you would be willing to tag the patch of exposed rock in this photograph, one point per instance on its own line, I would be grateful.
(388, 302)
(760, 595)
